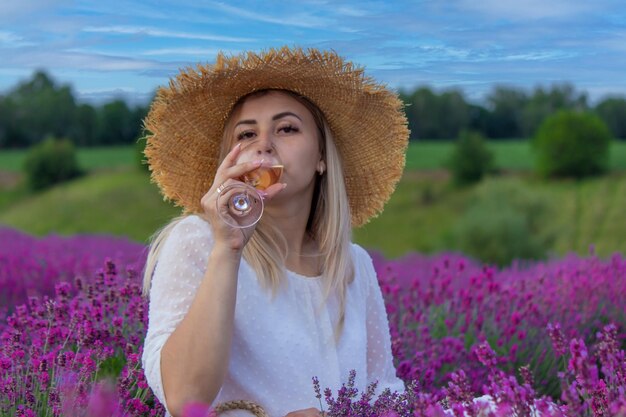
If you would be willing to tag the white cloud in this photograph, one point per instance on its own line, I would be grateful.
(538, 56)
(77, 60)
(350, 11)
(615, 41)
(99, 96)
(12, 40)
(10, 37)
(187, 51)
(529, 9)
(305, 20)
(138, 30)
(442, 51)
(121, 90)
(599, 93)
(10, 10)
(142, 11)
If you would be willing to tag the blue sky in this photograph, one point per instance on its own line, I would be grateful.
(128, 48)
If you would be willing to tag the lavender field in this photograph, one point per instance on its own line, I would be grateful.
(545, 338)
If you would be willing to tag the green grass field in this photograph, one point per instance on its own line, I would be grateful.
(424, 210)
(422, 155)
(117, 198)
(515, 155)
(88, 158)
(119, 203)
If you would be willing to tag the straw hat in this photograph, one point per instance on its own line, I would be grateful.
(186, 122)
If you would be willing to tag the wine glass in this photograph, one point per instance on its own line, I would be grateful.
(245, 203)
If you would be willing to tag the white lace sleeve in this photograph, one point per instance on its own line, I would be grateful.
(380, 365)
(180, 268)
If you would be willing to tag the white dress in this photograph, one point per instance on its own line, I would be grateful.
(278, 346)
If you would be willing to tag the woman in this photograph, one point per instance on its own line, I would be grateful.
(254, 313)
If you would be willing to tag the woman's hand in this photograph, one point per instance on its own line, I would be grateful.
(226, 174)
(309, 412)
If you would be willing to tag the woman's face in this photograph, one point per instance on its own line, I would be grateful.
(279, 129)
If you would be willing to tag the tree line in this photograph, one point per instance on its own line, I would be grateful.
(508, 112)
(39, 108)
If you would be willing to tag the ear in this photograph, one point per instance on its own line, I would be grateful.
(321, 166)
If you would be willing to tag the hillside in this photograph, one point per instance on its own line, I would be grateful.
(421, 216)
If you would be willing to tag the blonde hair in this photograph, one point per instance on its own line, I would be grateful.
(329, 223)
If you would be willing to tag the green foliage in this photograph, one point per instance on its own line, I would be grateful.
(572, 144)
(544, 103)
(51, 162)
(117, 123)
(471, 159)
(85, 127)
(504, 221)
(436, 116)
(40, 107)
(506, 105)
(112, 366)
(9, 137)
(613, 112)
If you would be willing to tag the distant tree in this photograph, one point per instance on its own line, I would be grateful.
(478, 119)
(139, 113)
(470, 159)
(85, 126)
(572, 144)
(544, 103)
(419, 104)
(435, 116)
(613, 112)
(39, 107)
(506, 106)
(115, 124)
(10, 135)
(42, 109)
(454, 113)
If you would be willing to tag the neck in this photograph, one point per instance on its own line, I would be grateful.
(291, 218)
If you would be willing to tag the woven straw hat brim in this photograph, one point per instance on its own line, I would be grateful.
(186, 121)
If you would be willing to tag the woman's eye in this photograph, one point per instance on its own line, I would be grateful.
(288, 129)
(247, 134)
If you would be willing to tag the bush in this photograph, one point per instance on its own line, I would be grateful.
(505, 221)
(51, 162)
(471, 159)
(572, 144)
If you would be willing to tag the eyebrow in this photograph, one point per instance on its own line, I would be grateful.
(276, 117)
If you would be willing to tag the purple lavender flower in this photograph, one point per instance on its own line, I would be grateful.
(73, 318)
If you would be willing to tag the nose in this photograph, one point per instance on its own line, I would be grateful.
(264, 146)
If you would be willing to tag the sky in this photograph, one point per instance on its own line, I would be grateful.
(128, 48)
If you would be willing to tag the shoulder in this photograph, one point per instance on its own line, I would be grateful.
(188, 237)
(177, 260)
(190, 227)
(364, 269)
(193, 224)
(360, 256)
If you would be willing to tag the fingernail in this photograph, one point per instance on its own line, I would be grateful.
(259, 161)
(238, 146)
(284, 185)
